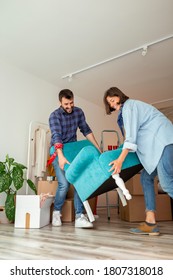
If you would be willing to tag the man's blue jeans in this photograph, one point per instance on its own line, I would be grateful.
(63, 186)
(164, 171)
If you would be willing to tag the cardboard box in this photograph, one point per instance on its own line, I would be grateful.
(30, 213)
(70, 193)
(68, 212)
(134, 211)
(134, 185)
(51, 187)
(111, 196)
(93, 204)
(163, 207)
(47, 187)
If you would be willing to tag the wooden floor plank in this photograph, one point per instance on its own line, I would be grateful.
(109, 240)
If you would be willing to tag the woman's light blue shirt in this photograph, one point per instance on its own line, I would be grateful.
(147, 130)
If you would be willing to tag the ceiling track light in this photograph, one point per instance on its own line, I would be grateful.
(162, 101)
(144, 52)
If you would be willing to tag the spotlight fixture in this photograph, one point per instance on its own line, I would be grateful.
(70, 78)
(144, 51)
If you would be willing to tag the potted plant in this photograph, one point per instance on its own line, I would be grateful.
(11, 180)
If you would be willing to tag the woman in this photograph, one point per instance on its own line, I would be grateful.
(149, 133)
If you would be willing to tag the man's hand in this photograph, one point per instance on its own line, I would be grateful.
(62, 161)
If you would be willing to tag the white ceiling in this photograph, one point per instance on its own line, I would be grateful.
(52, 38)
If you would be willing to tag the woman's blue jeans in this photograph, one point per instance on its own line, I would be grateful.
(164, 171)
(63, 186)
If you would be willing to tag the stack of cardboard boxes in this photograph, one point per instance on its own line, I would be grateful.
(134, 211)
(68, 212)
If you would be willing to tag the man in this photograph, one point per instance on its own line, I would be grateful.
(64, 123)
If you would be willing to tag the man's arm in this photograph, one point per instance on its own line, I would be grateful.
(61, 158)
(92, 139)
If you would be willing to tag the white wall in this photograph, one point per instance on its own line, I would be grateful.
(25, 98)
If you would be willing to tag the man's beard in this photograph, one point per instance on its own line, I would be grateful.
(68, 111)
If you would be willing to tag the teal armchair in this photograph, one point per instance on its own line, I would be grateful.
(89, 171)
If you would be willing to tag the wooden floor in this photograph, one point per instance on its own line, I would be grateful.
(109, 240)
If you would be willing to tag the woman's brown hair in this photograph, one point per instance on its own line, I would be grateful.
(111, 92)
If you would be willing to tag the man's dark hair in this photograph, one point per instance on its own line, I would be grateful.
(65, 93)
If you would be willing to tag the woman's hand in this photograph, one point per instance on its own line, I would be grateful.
(116, 166)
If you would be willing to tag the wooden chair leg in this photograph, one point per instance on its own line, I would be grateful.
(88, 211)
(121, 196)
(120, 183)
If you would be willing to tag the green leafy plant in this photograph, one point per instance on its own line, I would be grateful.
(11, 180)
